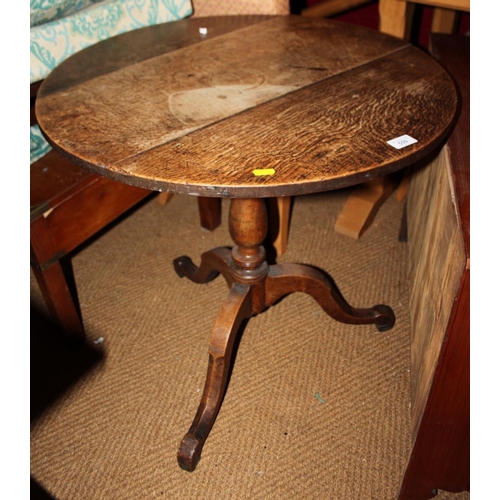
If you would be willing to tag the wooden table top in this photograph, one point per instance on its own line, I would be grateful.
(255, 107)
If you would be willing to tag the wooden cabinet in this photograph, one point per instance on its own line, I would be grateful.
(438, 218)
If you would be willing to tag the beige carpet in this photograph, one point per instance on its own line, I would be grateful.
(314, 408)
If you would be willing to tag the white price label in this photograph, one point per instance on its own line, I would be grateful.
(402, 142)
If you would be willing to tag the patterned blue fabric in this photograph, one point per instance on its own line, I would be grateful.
(73, 25)
(42, 11)
(54, 41)
(38, 145)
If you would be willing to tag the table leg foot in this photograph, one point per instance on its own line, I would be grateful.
(384, 319)
(213, 263)
(234, 310)
(287, 278)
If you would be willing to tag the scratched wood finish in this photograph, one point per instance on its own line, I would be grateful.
(314, 99)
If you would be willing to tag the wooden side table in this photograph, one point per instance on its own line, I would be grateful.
(248, 108)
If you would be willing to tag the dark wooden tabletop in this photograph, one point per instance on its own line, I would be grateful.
(246, 106)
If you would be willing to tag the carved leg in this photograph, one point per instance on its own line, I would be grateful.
(245, 269)
(235, 309)
(288, 278)
(213, 262)
(254, 286)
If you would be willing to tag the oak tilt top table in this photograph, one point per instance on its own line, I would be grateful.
(248, 107)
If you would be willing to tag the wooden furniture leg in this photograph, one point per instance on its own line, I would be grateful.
(234, 310)
(69, 206)
(281, 241)
(402, 189)
(164, 197)
(444, 20)
(254, 286)
(62, 307)
(362, 205)
(396, 18)
(210, 212)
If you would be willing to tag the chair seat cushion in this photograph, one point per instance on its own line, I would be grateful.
(43, 11)
(54, 41)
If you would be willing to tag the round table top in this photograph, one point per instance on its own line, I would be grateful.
(247, 106)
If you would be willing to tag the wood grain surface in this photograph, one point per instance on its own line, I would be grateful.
(437, 259)
(439, 250)
(311, 99)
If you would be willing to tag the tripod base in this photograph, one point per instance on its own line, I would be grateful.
(254, 286)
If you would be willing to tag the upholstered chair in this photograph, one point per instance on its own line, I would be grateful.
(69, 205)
